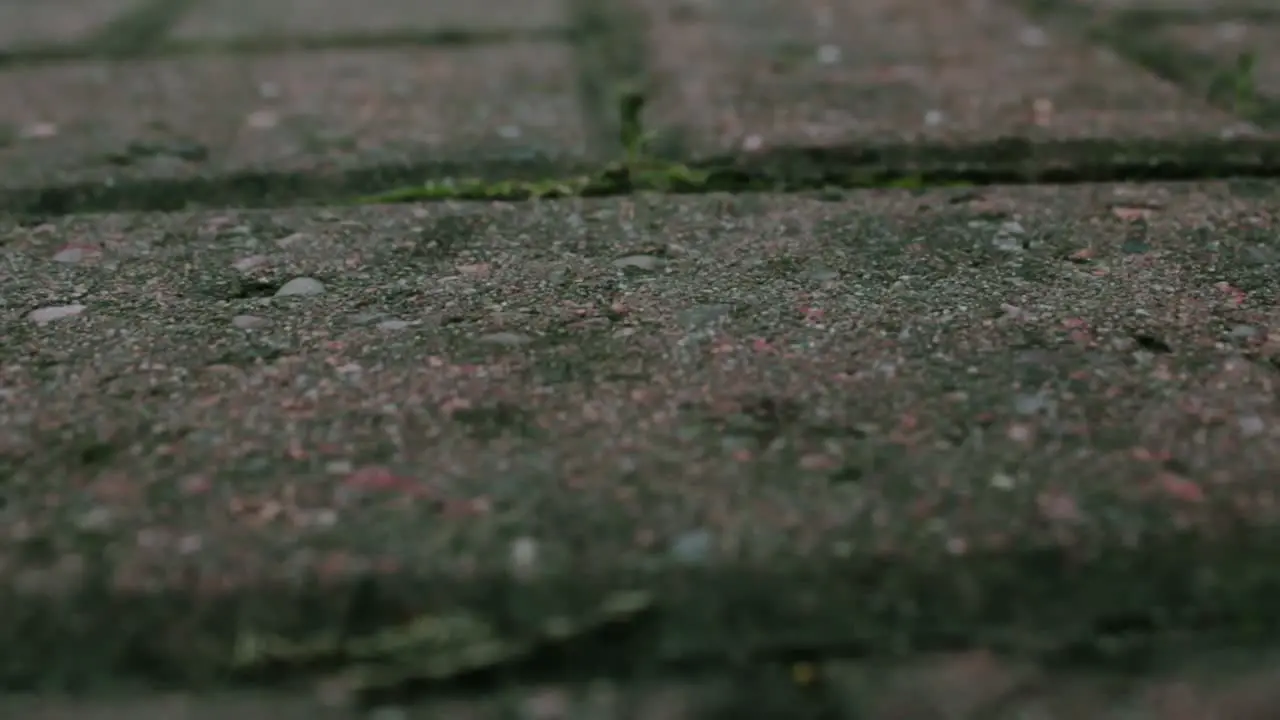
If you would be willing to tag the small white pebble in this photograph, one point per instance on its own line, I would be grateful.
(647, 263)
(692, 547)
(393, 324)
(1033, 37)
(190, 544)
(1001, 481)
(1252, 425)
(509, 339)
(262, 119)
(48, 314)
(74, 254)
(338, 467)
(301, 286)
(249, 322)
(95, 519)
(39, 131)
(248, 263)
(524, 555)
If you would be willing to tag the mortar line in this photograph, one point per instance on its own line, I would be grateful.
(1004, 162)
(258, 45)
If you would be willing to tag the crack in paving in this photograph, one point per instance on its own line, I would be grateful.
(1013, 161)
(258, 45)
(136, 31)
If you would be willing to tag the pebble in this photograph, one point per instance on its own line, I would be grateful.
(1252, 425)
(524, 555)
(1030, 403)
(818, 272)
(1010, 237)
(642, 263)
(251, 262)
(829, 54)
(39, 131)
(692, 547)
(74, 254)
(701, 315)
(54, 312)
(393, 325)
(301, 286)
(509, 339)
(249, 322)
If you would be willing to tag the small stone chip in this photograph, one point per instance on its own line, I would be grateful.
(249, 322)
(48, 314)
(301, 286)
(75, 253)
(640, 263)
(508, 339)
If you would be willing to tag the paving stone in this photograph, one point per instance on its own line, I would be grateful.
(1175, 6)
(954, 686)
(768, 73)
(974, 346)
(207, 401)
(235, 19)
(1229, 40)
(30, 23)
(185, 116)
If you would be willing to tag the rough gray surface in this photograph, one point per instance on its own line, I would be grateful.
(733, 76)
(238, 19)
(319, 111)
(1231, 40)
(28, 23)
(787, 374)
(711, 387)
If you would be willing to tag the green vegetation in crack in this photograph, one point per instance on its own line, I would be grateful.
(1236, 87)
(428, 650)
(638, 170)
(642, 170)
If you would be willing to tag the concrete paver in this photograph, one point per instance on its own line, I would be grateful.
(235, 19)
(321, 110)
(733, 76)
(1178, 6)
(1021, 424)
(1230, 41)
(880, 372)
(28, 23)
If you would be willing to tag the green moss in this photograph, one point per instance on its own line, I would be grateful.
(1236, 87)
(641, 170)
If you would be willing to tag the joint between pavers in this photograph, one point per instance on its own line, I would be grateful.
(1010, 161)
(256, 45)
(1227, 12)
(1129, 34)
(610, 63)
(136, 31)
